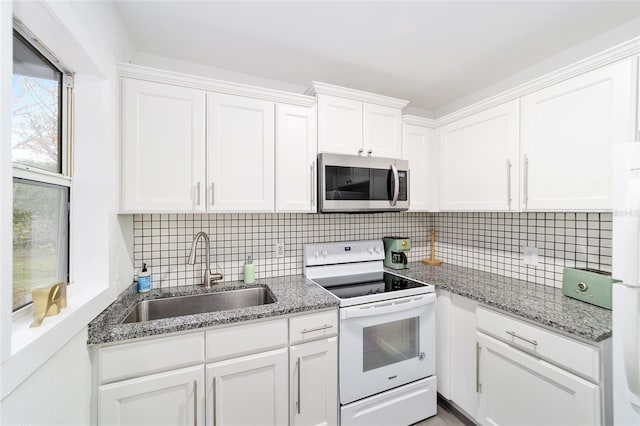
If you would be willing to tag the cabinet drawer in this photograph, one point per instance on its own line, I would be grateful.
(314, 326)
(151, 355)
(576, 356)
(246, 339)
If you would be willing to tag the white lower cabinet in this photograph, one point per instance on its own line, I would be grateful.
(516, 389)
(501, 370)
(456, 340)
(247, 374)
(313, 381)
(170, 398)
(249, 390)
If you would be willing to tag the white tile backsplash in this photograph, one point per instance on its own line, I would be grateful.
(486, 241)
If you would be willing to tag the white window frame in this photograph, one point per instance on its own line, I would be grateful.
(25, 350)
(64, 178)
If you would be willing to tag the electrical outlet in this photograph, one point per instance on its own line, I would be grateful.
(278, 249)
(530, 256)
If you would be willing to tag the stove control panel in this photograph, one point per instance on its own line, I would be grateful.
(343, 252)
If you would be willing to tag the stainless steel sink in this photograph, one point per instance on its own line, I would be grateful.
(148, 310)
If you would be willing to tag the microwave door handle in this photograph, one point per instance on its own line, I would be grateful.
(396, 184)
(387, 307)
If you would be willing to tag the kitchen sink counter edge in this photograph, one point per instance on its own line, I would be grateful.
(538, 303)
(293, 294)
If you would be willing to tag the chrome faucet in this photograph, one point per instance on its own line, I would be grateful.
(208, 277)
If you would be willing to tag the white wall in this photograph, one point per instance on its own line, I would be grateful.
(89, 38)
(57, 394)
(588, 48)
(177, 65)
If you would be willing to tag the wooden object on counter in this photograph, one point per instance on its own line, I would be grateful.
(432, 260)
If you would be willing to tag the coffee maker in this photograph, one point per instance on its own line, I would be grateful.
(395, 252)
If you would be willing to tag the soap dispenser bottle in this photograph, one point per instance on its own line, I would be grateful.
(144, 279)
(249, 271)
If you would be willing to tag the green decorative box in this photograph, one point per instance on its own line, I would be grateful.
(588, 285)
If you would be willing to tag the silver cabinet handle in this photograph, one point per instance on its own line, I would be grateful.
(514, 334)
(212, 200)
(310, 330)
(360, 151)
(478, 385)
(215, 409)
(298, 403)
(526, 181)
(508, 184)
(198, 193)
(313, 184)
(370, 152)
(396, 185)
(195, 403)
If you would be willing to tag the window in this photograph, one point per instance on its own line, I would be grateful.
(40, 147)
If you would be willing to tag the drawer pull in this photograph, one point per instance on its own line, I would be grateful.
(513, 333)
(311, 330)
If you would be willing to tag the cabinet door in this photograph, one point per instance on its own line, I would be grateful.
(296, 151)
(339, 125)
(313, 380)
(416, 150)
(568, 134)
(171, 398)
(163, 148)
(478, 157)
(463, 354)
(250, 390)
(516, 388)
(443, 342)
(240, 141)
(382, 131)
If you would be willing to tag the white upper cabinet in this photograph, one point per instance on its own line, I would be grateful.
(240, 142)
(163, 148)
(354, 122)
(296, 152)
(207, 150)
(417, 149)
(339, 125)
(479, 161)
(382, 131)
(568, 133)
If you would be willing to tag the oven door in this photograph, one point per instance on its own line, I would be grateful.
(386, 344)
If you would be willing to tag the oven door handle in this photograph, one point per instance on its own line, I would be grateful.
(401, 305)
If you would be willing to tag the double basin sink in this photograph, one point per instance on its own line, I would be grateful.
(168, 307)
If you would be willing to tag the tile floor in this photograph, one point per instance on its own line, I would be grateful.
(445, 417)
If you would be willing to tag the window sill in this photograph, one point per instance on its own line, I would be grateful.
(32, 347)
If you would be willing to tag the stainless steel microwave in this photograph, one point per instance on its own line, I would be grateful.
(349, 183)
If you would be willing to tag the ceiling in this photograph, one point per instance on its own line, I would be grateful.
(431, 53)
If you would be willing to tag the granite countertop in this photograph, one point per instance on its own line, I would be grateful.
(536, 302)
(292, 293)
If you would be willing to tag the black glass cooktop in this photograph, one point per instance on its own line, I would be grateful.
(366, 284)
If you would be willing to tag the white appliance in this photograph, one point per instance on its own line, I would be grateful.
(626, 295)
(387, 334)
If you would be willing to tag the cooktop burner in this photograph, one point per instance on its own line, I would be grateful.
(353, 271)
(346, 287)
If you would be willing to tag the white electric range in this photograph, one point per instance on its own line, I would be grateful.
(387, 334)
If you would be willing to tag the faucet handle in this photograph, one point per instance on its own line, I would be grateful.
(215, 276)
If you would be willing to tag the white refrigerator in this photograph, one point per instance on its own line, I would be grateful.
(626, 295)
